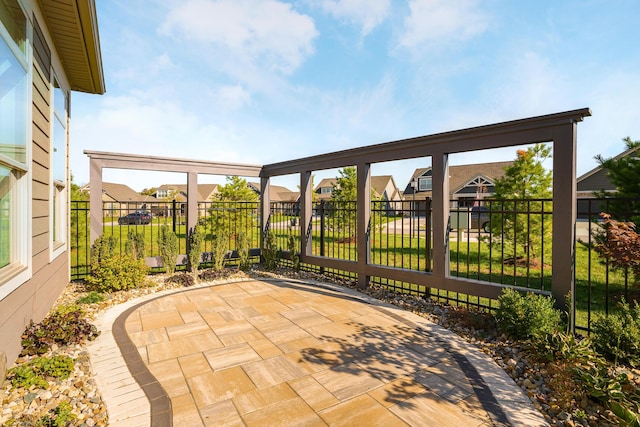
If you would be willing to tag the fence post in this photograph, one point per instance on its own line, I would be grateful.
(322, 224)
(173, 214)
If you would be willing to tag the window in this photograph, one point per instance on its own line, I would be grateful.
(14, 188)
(424, 183)
(326, 190)
(58, 168)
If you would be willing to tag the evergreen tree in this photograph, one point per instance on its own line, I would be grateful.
(624, 173)
(517, 213)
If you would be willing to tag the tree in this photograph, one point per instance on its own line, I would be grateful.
(618, 241)
(76, 193)
(79, 214)
(149, 191)
(233, 208)
(517, 213)
(343, 201)
(624, 173)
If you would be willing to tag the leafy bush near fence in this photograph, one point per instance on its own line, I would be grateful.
(526, 316)
(134, 245)
(168, 245)
(270, 252)
(617, 336)
(294, 251)
(196, 238)
(244, 261)
(219, 248)
(112, 272)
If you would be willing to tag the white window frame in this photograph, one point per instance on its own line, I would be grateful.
(58, 236)
(326, 190)
(425, 183)
(19, 270)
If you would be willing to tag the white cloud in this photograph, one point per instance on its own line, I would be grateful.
(267, 32)
(436, 21)
(133, 124)
(367, 14)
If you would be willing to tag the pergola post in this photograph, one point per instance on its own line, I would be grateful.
(265, 211)
(192, 206)
(440, 204)
(95, 200)
(363, 210)
(564, 218)
(306, 213)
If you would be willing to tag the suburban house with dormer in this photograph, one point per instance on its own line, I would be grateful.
(48, 49)
(467, 183)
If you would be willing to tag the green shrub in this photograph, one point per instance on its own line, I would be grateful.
(294, 256)
(111, 272)
(270, 252)
(523, 317)
(59, 416)
(64, 326)
(560, 346)
(244, 261)
(91, 298)
(134, 245)
(617, 336)
(36, 371)
(196, 237)
(168, 245)
(616, 390)
(219, 248)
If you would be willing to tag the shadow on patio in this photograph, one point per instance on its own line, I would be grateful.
(283, 352)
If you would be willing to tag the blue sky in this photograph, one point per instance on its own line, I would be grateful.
(262, 81)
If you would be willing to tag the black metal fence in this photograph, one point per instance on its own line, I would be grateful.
(498, 241)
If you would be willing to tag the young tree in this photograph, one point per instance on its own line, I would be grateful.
(624, 173)
(343, 201)
(233, 208)
(518, 191)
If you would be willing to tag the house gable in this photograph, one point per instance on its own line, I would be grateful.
(597, 179)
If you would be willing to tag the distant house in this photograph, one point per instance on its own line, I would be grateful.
(466, 183)
(277, 193)
(285, 199)
(48, 50)
(120, 199)
(383, 186)
(597, 179)
(178, 192)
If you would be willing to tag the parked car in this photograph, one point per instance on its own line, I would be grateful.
(136, 218)
(480, 218)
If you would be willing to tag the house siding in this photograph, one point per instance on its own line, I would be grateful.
(33, 299)
(597, 181)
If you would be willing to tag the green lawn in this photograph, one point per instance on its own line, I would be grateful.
(596, 289)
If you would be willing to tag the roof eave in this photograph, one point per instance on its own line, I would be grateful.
(86, 41)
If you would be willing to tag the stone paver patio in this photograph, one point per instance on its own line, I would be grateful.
(285, 352)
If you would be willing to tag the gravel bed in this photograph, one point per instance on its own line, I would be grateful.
(22, 406)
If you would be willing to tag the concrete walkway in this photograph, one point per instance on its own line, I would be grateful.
(284, 352)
